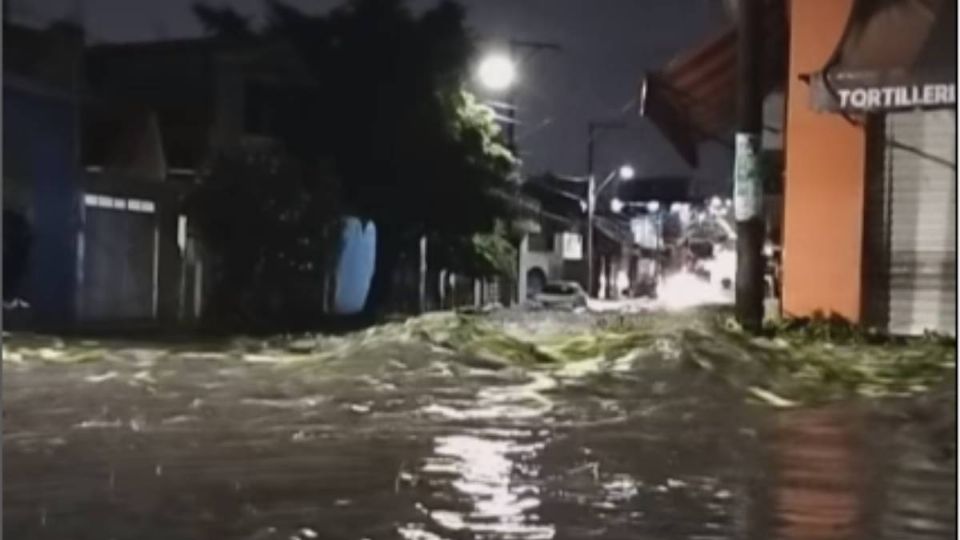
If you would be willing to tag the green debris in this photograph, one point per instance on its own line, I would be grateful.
(819, 359)
(770, 398)
(794, 363)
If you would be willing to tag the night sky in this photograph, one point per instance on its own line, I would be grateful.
(607, 45)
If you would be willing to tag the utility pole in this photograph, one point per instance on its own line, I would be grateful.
(747, 181)
(591, 208)
(593, 128)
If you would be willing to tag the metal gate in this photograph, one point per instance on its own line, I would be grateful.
(913, 203)
(119, 279)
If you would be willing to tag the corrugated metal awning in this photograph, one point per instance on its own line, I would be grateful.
(693, 98)
(895, 54)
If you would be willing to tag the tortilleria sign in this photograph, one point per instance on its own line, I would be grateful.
(897, 97)
(881, 92)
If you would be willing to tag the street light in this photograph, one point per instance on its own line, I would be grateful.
(624, 172)
(497, 72)
(616, 205)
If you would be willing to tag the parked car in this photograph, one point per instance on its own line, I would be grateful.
(561, 295)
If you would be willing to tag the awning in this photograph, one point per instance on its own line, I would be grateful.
(693, 99)
(895, 54)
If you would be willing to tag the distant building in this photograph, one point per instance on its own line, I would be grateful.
(557, 249)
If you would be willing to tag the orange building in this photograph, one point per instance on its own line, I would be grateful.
(869, 151)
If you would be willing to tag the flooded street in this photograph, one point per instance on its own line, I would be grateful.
(402, 440)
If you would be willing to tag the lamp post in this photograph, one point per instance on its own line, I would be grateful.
(498, 72)
(625, 172)
(594, 128)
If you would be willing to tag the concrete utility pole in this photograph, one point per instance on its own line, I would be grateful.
(593, 129)
(747, 180)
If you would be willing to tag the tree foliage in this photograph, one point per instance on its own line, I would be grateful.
(414, 151)
(271, 224)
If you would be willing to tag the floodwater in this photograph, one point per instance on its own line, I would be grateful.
(408, 442)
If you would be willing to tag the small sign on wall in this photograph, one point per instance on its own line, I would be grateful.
(572, 244)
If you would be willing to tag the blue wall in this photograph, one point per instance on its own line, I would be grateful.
(355, 266)
(39, 143)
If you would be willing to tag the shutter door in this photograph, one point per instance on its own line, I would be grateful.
(920, 181)
(119, 265)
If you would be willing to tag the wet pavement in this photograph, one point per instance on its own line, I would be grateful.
(400, 440)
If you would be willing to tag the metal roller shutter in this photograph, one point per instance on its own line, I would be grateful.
(919, 218)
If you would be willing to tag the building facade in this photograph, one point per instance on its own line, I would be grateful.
(41, 174)
(871, 163)
(867, 118)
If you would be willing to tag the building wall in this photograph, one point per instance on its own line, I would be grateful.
(824, 180)
(40, 148)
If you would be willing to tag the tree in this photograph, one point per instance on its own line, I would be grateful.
(415, 153)
(271, 224)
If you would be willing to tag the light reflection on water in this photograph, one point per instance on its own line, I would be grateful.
(480, 459)
(487, 471)
(819, 488)
(834, 478)
(493, 470)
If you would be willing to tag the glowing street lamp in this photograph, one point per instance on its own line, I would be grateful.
(617, 206)
(497, 72)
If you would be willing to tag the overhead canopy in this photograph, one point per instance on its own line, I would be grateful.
(895, 54)
(693, 98)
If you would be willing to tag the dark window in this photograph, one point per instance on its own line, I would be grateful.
(543, 241)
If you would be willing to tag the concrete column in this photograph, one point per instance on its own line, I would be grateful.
(522, 263)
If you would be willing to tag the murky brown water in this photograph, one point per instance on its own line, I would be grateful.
(410, 444)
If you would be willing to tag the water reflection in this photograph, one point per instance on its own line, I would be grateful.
(838, 474)
(496, 475)
(489, 477)
(817, 460)
(220, 451)
(919, 500)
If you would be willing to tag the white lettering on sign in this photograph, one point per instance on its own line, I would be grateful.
(844, 98)
(889, 94)
(898, 97)
(858, 98)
